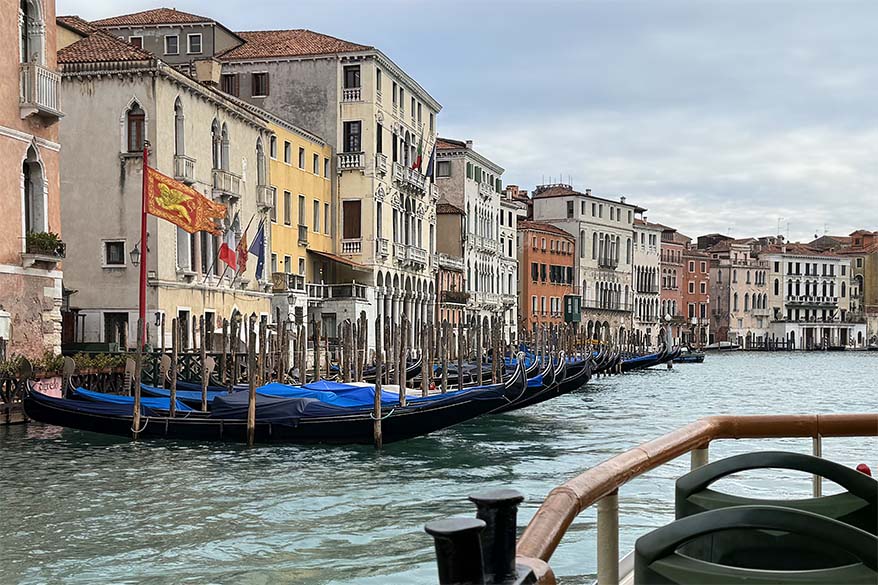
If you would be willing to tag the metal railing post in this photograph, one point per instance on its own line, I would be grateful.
(608, 539)
(817, 451)
(699, 457)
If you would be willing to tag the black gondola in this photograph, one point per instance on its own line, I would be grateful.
(279, 420)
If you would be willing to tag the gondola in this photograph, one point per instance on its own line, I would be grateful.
(560, 379)
(687, 356)
(278, 420)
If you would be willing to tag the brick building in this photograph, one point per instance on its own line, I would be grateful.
(546, 261)
(696, 297)
(672, 246)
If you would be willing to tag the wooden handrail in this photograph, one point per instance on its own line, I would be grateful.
(565, 502)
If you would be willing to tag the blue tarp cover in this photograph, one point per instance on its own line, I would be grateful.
(190, 395)
(157, 403)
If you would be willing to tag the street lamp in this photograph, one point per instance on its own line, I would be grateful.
(135, 255)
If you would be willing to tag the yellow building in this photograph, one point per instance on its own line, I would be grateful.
(302, 231)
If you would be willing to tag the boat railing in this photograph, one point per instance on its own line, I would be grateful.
(600, 485)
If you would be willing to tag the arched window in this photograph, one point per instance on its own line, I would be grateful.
(260, 165)
(216, 144)
(776, 286)
(179, 145)
(582, 243)
(135, 127)
(746, 302)
(843, 290)
(594, 245)
(224, 150)
(32, 32)
(735, 302)
(34, 195)
(628, 252)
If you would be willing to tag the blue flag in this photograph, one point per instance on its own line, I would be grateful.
(432, 162)
(258, 249)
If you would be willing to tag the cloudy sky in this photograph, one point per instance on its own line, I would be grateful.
(733, 116)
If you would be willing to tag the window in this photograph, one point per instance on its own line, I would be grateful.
(419, 113)
(379, 138)
(230, 84)
(443, 168)
(352, 135)
(691, 266)
(34, 193)
(691, 287)
(301, 158)
(193, 43)
(114, 253)
(316, 215)
(533, 303)
(351, 220)
(136, 41)
(534, 271)
(288, 152)
(413, 109)
(172, 45)
(274, 262)
(326, 220)
(274, 204)
(135, 122)
(326, 168)
(259, 84)
(704, 267)
(272, 147)
(569, 209)
(288, 208)
(301, 217)
(288, 264)
(394, 93)
(691, 310)
(378, 80)
(432, 123)
(352, 77)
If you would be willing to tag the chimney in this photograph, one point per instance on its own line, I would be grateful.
(622, 199)
(588, 191)
(207, 72)
(469, 144)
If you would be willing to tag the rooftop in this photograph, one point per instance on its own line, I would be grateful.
(100, 46)
(266, 44)
(447, 143)
(76, 24)
(448, 208)
(797, 249)
(542, 227)
(563, 190)
(152, 17)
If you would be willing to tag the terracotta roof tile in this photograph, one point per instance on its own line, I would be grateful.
(101, 46)
(447, 143)
(543, 227)
(448, 208)
(556, 191)
(76, 24)
(795, 248)
(265, 44)
(152, 17)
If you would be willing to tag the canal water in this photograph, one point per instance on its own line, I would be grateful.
(80, 508)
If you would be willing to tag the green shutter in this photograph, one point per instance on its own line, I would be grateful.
(469, 170)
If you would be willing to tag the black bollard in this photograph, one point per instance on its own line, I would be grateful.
(498, 508)
(458, 550)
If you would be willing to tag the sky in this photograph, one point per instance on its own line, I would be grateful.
(742, 117)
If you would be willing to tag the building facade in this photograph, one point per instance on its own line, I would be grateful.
(453, 296)
(672, 245)
(31, 250)
(739, 301)
(861, 248)
(810, 297)
(645, 274)
(511, 212)
(547, 259)
(696, 297)
(472, 183)
(198, 136)
(603, 230)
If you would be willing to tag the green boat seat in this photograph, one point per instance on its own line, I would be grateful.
(825, 550)
(857, 506)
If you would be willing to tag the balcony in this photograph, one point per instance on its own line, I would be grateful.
(508, 300)
(485, 190)
(453, 297)
(812, 301)
(416, 256)
(184, 169)
(351, 161)
(382, 247)
(281, 282)
(264, 197)
(226, 184)
(38, 91)
(351, 94)
(352, 246)
(43, 250)
(381, 163)
(608, 262)
(323, 292)
(450, 262)
(409, 179)
(303, 235)
(399, 251)
(761, 312)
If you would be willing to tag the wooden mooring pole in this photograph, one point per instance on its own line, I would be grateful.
(251, 378)
(376, 414)
(138, 374)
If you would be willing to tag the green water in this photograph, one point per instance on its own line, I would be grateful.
(82, 508)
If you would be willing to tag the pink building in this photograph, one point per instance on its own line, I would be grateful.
(30, 225)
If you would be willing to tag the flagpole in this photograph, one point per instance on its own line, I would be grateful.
(244, 234)
(143, 237)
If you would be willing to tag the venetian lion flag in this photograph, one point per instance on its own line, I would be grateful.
(181, 205)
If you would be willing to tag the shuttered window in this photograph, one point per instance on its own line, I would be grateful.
(351, 219)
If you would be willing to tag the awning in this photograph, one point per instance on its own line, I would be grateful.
(340, 260)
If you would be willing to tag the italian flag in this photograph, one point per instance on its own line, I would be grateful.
(227, 250)
(419, 157)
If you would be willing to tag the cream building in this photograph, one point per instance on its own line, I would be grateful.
(118, 96)
(739, 299)
(810, 297)
(645, 275)
(471, 182)
(511, 212)
(603, 229)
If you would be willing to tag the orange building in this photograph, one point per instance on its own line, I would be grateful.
(30, 225)
(545, 269)
(696, 297)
